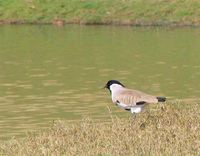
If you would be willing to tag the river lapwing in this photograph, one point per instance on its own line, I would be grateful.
(128, 99)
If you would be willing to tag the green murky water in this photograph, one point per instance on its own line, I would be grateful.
(49, 72)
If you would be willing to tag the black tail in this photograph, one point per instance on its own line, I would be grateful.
(161, 99)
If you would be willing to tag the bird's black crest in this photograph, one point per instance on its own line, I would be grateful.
(109, 83)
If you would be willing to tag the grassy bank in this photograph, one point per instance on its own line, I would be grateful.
(168, 129)
(124, 12)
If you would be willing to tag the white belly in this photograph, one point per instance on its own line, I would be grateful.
(138, 109)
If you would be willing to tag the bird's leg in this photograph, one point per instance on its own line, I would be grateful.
(133, 112)
(134, 116)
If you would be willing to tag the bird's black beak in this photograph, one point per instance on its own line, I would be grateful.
(104, 87)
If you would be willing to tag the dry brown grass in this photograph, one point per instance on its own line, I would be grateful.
(169, 129)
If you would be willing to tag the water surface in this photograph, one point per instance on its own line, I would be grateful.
(49, 72)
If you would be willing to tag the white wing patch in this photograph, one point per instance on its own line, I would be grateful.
(133, 109)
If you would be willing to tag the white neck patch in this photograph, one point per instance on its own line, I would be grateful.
(115, 87)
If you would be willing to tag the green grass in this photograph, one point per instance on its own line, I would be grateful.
(166, 129)
(124, 12)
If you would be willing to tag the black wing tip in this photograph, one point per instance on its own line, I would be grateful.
(161, 99)
(141, 102)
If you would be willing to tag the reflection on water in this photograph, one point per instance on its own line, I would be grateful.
(50, 72)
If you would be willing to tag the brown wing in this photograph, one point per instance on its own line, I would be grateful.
(131, 97)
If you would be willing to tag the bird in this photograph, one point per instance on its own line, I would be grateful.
(130, 100)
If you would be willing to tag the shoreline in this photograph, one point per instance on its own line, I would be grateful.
(104, 12)
(101, 24)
